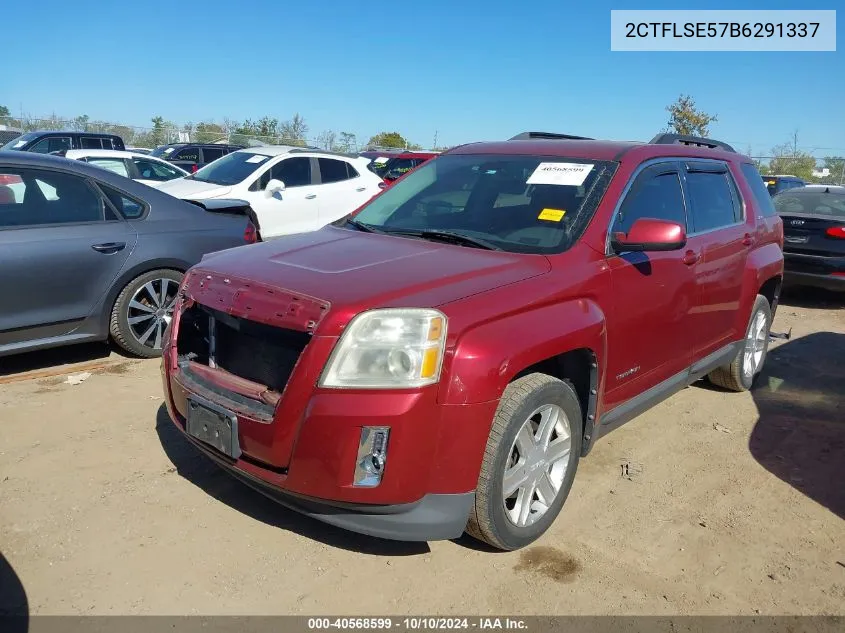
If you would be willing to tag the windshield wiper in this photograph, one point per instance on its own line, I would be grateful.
(367, 228)
(447, 236)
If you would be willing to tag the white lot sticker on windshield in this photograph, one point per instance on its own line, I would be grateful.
(572, 174)
(381, 159)
(256, 158)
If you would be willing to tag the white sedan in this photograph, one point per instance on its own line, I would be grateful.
(291, 189)
(146, 169)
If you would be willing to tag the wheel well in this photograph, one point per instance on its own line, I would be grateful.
(771, 290)
(580, 369)
(127, 277)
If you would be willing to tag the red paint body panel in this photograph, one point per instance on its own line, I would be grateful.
(644, 317)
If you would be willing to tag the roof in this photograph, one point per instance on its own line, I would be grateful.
(278, 150)
(44, 132)
(595, 149)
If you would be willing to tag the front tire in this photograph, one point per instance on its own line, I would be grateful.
(529, 464)
(739, 375)
(143, 310)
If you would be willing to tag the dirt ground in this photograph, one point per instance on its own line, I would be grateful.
(712, 503)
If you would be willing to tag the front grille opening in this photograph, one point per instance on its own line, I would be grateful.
(261, 353)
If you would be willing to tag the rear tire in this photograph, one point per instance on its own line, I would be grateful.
(739, 375)
(529, 464)
(143, 310)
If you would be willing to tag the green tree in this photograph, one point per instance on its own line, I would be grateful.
(4, 111)
(388, 139)
(685, 118)
(788, 159)
(208, 132)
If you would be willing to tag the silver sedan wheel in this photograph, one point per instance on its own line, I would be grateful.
(150, 311)
(536, 465)
(755, 345)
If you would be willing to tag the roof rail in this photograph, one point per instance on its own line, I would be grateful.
(527, 136)
(666, 138)
(317, 150)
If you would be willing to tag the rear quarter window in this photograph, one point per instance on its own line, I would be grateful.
(762, 197)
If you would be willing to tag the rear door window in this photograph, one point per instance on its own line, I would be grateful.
(211, 153)
(713, 197)
(88, 142)
(332, 170)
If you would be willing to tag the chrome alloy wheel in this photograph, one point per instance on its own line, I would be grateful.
(755, 345)
(150, 311)
(536, 465)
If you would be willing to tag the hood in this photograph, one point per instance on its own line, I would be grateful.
(354, 271)
(187, 188)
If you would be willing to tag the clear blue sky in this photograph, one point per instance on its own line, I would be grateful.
(465, 69)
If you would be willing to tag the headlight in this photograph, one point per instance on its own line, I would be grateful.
(389, 348)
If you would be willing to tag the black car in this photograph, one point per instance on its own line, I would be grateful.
(778, 183)
(89, 255)
(193, 156)
(814, 235)
(52, 141)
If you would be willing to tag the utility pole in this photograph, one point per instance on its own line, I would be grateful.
(842, 173)
(435, 140)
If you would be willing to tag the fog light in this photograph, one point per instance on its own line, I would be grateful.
(372, 455)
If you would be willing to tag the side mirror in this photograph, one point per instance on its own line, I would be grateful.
(273, 187)
(393, 174)
(647, 234)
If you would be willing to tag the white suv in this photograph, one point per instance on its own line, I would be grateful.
(291, 189)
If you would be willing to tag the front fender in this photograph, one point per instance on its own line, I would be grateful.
(487, 357)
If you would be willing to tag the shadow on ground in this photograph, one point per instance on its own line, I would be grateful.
(800, 434)
(14, 606)
(191, 464)
(55, 357)
(812, 298)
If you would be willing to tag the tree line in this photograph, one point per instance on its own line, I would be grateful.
(684, 118)
(266, 129)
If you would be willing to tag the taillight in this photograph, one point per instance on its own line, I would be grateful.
(250, 234)
(194, 168)
(836, 231)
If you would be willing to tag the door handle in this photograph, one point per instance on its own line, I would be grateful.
(311, 196)
(361, 189)
(690, 257)
(747, 239)
(109, 247)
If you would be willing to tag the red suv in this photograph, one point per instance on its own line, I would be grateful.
(439, 361)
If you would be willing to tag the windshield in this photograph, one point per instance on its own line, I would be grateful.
(811, 202)
(231, 169)
(20, 141)
(524, 204)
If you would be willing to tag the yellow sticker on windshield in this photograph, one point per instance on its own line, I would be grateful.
(554, 215)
